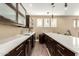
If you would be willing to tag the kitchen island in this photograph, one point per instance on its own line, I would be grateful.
(61, 45)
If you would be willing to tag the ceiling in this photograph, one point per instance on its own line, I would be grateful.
(47, 9)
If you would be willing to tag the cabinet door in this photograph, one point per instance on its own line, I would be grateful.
(21, 53)
(33, 40)
(53, 44)
(21, 49)
(12, 53)
(18, 51)
(7, 11)
(27, 21)
(63, 51)
(67, 52)
(21, 20)
(29, 47)
(21, 15)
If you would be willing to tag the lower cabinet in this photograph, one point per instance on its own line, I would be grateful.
(41, 38)
(18, 51)
(29, 46)
(24, 49)
(63, 50)
(57, 49)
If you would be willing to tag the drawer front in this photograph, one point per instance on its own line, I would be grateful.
(21, 53)
(17, 50)
(12, 53)
(59, 47)
(64, 51)
(67, 52)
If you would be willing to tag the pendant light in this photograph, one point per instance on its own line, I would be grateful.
(65, 6)
(53, 5)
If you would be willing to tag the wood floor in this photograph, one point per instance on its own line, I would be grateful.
(40, 50)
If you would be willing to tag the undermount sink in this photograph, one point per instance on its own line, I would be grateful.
(27, 34)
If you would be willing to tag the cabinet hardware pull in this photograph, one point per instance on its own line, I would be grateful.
(19, 47)
(20, 52)
(60, 46)
(60, 52)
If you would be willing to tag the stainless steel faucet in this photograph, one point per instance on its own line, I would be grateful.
(22, 31)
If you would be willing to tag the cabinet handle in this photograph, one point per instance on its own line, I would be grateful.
(20, 52)
(60, 46)
(29, 40)
(60, 52)
(19, 47)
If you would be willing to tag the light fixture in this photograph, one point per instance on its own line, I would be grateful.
(47, 13)
(66, 5)
(53, 5)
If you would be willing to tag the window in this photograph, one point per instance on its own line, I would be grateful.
(46, 22)
(39, 22)
(54, 22)
(76, 23)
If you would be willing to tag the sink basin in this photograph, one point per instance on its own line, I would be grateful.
(27, 34)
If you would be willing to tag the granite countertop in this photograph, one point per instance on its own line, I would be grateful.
(6, 45)
(70, 42)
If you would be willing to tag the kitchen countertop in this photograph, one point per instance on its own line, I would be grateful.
(70, 42)
(6, 45)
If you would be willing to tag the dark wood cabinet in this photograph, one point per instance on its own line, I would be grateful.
(33, 41)
(29, 47)
(17, 14)
(55, 48)
(41, 38)
(18, 51)
(24, 48)
(30, 44)
(63, 50)
(27, 21)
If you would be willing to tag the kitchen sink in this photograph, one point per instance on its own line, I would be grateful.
(27, 34)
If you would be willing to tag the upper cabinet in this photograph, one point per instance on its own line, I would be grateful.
(21, 15)
(7, 12)
(13, 13)
(27, 21)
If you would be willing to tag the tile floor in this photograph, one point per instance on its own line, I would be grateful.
(40, 50)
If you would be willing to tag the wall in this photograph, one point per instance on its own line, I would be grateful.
(7, 31)
(39, 30)
(64, 23)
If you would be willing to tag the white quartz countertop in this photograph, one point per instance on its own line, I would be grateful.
(70, 42)
(6, 45)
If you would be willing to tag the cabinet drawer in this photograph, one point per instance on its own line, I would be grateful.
(64, 51)
(12, 53)
(21, 53)
(67, 52)
(19, 48)
(60, 47)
